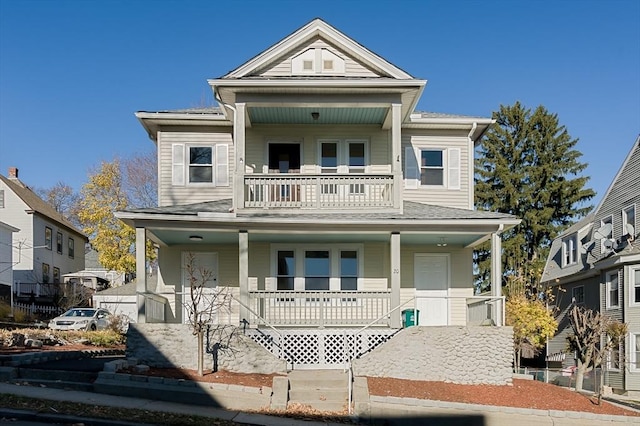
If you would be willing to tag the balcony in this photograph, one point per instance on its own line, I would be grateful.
(328, 192)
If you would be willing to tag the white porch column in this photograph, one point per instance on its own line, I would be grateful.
(141, 272)
(239, 132)
(395, 280)
(396, 157)
(243, 258)
(496, 275)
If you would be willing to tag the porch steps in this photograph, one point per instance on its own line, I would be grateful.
(324, 390)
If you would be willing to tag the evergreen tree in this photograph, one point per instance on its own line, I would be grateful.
(528, 166)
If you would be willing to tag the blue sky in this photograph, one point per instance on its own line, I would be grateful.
(72, 73)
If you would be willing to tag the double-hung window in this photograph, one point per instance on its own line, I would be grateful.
(59, 242)
(612, 290)
(200, 164)
(432, 167)
(635, 286)
(48, 236)
(56, 275)
(634, 352)
(629, 221)
(286, 270)
(570, 250)
(317, 270)
(45, 272)
(72, 248)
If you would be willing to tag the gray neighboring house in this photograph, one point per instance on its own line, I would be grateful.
(596, 263)
(46, 246)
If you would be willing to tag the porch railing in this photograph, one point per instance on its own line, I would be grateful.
(335, 191)
(21, 289)
(154, 307)
(320, 308)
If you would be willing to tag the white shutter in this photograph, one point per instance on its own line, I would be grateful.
(177, 164)
(411, 169)
(222, 165)
(453, 166)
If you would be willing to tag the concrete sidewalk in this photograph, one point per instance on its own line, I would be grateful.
(150, 405)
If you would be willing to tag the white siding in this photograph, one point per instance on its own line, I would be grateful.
(6, 255)
(170, 194)
(457, 196)
(14, 214)
(282, 68)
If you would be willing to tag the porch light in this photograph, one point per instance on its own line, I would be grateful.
(195, 237)
(315, 115)
(442, 243)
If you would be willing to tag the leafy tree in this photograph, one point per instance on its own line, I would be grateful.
(594, 336)
(532, 324)
(528, 166)
(114, 241)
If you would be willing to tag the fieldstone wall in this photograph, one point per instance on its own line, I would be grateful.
(174, 345)
(465, 355)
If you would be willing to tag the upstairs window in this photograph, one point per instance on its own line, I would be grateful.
(1, 198)
(432, 168)
(317, 270)
(629, 221)
(59, 242)
(45, 272)
(570, 250)
(72, 248)
(613, 290)
(48, 235)
(349, 270)
(200, 165)
(286, 270)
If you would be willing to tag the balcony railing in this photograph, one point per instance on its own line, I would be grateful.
(320, 308)
(335, 191)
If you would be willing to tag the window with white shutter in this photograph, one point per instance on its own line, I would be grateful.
(200, 165)
(432, 167)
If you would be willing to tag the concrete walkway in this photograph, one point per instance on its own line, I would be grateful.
(150, 405)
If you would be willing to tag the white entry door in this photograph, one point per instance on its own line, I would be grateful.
(431, 278)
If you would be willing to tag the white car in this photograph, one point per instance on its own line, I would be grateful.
(81, 319)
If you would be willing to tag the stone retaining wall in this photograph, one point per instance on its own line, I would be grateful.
(465, 355)
(174, 345)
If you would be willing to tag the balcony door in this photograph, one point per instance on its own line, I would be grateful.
(431, 277)
(284, 158)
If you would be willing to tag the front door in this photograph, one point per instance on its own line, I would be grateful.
(431, 278)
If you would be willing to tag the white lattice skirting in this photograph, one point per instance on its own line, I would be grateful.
(319, 348)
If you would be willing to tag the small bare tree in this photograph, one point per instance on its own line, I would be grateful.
(594, 336)
(205, 304)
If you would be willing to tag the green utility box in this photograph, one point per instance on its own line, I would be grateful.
(410, 317)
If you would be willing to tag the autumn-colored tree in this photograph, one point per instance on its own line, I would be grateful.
(114, 241)
(594, 336)
(532, 322)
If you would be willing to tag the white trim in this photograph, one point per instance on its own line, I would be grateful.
(633, 284)
(625, 219)
(571, 241)
(608, 301)
(334, 262)
(634, 355)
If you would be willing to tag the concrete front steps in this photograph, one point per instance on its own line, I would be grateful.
(324, 390)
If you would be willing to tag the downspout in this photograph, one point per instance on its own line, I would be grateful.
(235, 125)
(471, 148)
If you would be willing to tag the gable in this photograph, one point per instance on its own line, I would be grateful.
(317, 38)
(317, 58)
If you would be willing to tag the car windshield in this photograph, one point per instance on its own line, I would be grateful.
(79, 313)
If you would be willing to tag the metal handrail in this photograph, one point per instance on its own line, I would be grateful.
(257, 315)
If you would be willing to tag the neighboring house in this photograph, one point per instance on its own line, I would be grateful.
(596, 264)
(46, 245)
(6, 259)
(319, 196)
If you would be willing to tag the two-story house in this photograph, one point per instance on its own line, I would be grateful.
(46, 246)
(6, 259)
(319, 195)
(596, 264)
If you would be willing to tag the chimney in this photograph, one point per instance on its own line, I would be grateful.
(13, 173)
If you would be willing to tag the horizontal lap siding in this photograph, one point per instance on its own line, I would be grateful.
(176, 195)
(632, 318)
(353, 68)
(458, 198)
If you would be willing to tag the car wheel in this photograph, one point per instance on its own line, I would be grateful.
(93, 327)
